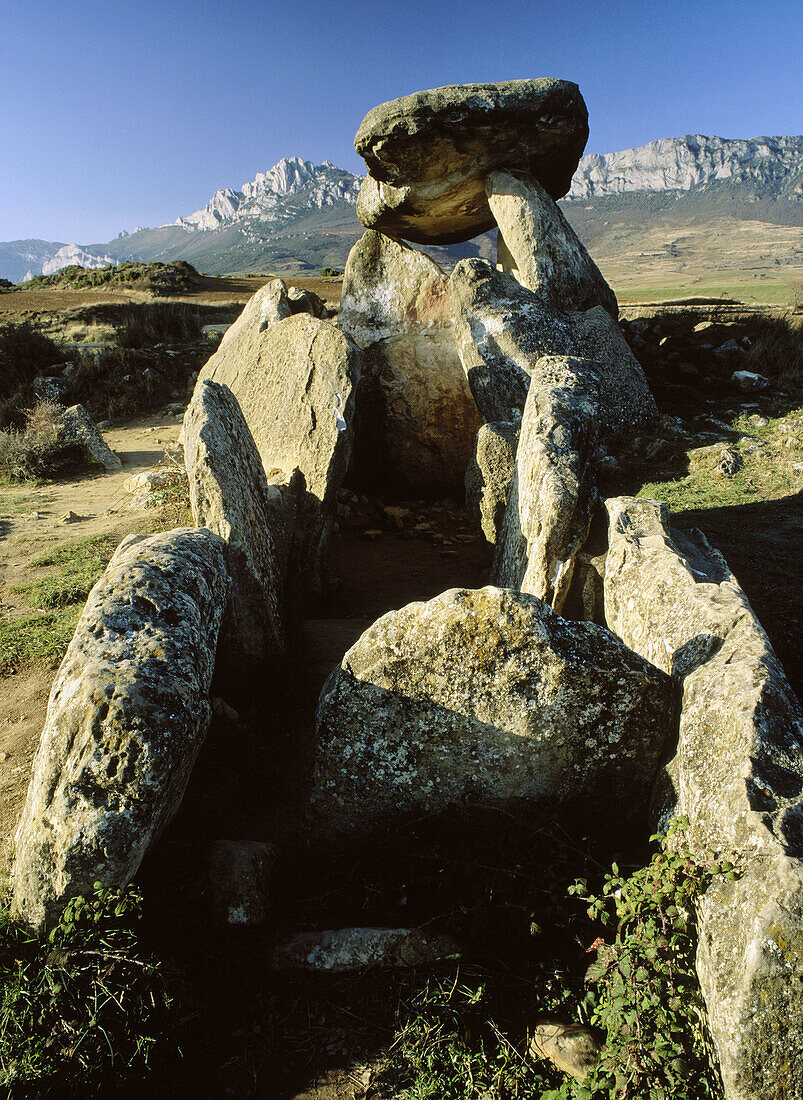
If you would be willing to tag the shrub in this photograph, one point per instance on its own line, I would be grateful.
(24, 353)
(84, 1009)
(33, 452)
(143, 325)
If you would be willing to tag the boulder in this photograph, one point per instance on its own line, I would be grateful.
(488, 475)
(269, 305)
(240, 873)
(738, 777)
(229, 495)
(573, 1048)
(77, 429)
(428, 153)
(552, 492)
(540, 249)
(127, 715)
(416, 416)
(294, 382)
(306, 301)
(486, 696)
(503, 329)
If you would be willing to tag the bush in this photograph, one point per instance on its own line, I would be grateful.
(33, 452)
(159, 278)
(85, 1009)
(24, 353)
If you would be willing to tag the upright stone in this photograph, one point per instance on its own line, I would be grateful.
(503, 330)
(229, 494)
(428, 153)
(294, 381)
(487, 696)
(128, 713)
(552, 492)
(539, 247)
(489, 474)
(737, 776)
(416, 417)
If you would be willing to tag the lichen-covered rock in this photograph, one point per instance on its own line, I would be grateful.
(552, 492)
(229, 495)
(294, 381)
(416, 418)
(428, 153)
(76, 428)
(502, 330)
(486, 696)
(339, 950)
(488, 475)
(128, 713)
(240, 873)
(263, 309)
(738, 777)
(573, 1048)
(538, 246)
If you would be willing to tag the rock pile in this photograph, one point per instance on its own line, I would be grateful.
(517, 382)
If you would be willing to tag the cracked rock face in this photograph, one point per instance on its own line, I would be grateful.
(128, 713)
(502, 330)
(428, 153)
(229, 494)
(294, 380)
(486, 696)
(738, 777)
(552, 491)
(416, 416)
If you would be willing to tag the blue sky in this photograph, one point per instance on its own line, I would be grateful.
(118, 113)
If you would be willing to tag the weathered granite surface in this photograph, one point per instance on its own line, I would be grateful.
(128, 713)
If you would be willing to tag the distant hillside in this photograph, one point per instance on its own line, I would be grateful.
(300, 217)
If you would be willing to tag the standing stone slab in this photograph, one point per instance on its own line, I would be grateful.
(486, 696)
(503, 329)
(229, 494)
(552, 492)
(539, 247)
(416, 416)
(489, 473)
(428, 153)
(78, 429)
(294, 382)
(738, 777)
(128, 713)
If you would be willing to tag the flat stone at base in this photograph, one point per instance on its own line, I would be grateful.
(240, 873)
(343, 949)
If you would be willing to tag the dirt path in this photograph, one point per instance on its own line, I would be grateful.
(31, 524)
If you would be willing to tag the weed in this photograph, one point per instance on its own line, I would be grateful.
(84, 1008)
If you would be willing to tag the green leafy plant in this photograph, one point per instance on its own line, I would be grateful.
(83, 1009)
(646, 996)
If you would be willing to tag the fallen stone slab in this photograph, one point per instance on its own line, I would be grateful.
(502, 330)
(77, 429)
(294, 381)
(541, 250)
(127, 715)
(416, 418)
(489, 473)
(229, 495)
(486, 696)
(343, 949)
(428, 153)
(737, 776)
(552, 492)
(240, 873)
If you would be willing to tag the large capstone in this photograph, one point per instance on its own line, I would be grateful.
(229, 494)
(128, 712)
(416, 418)
(538, 246)
(552, 491)
(487, 696)
(428, 153)
(294, 380)
(737, 776)
(503, 329)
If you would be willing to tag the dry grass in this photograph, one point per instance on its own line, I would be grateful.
(29, 454)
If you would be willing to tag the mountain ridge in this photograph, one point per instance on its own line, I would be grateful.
(300, 216)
